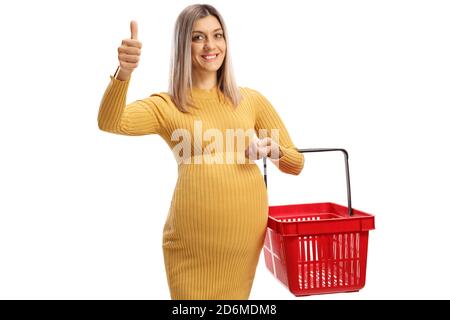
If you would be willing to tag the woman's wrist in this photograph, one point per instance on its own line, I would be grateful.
(121, 75)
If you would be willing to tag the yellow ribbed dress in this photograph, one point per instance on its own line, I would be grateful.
(216, 224)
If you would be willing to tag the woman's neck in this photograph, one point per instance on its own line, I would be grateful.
(204, 80)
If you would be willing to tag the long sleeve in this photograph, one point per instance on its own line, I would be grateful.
(140, 117)
(267, 118)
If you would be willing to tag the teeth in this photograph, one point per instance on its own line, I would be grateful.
(209, 57)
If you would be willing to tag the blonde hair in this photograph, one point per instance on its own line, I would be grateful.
(180, 79)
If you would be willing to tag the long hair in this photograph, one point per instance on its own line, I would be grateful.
(180, 79)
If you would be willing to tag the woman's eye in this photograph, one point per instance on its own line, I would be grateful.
(200, 37)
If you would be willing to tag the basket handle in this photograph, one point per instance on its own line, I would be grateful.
(347, 173)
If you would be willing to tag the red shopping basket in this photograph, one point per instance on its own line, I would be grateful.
(318, 248)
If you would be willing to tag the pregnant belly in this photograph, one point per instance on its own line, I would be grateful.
(214, 201)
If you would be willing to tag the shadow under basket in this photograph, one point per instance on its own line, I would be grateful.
(317, 248)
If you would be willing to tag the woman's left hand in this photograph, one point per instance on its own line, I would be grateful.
(263, 148)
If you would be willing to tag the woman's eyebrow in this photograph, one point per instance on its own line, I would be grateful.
(203, 32)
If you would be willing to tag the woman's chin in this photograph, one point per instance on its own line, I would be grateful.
(208, 69)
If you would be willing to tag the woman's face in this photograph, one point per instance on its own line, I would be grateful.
(208, 46)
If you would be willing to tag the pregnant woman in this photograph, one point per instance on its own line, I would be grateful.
(215, 228)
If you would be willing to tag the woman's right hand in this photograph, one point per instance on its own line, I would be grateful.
(129, 51)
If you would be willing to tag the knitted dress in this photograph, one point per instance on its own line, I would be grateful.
(215, 227)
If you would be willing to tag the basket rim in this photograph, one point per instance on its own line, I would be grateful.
(334, 217)
(356, 212)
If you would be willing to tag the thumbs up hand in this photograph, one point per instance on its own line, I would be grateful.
(130, 51)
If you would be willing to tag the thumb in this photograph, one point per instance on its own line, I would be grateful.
(134, 29)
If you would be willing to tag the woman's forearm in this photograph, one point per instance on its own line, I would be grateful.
(113, 104)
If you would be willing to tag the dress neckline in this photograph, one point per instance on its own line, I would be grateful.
(198, 93)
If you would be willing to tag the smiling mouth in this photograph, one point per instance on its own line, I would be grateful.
(210, 57)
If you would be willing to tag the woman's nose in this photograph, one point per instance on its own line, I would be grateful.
(209, 44)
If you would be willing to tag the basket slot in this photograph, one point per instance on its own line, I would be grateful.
(329, 261)
(299, 217)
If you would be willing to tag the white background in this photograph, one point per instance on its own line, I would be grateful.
(82, 210)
